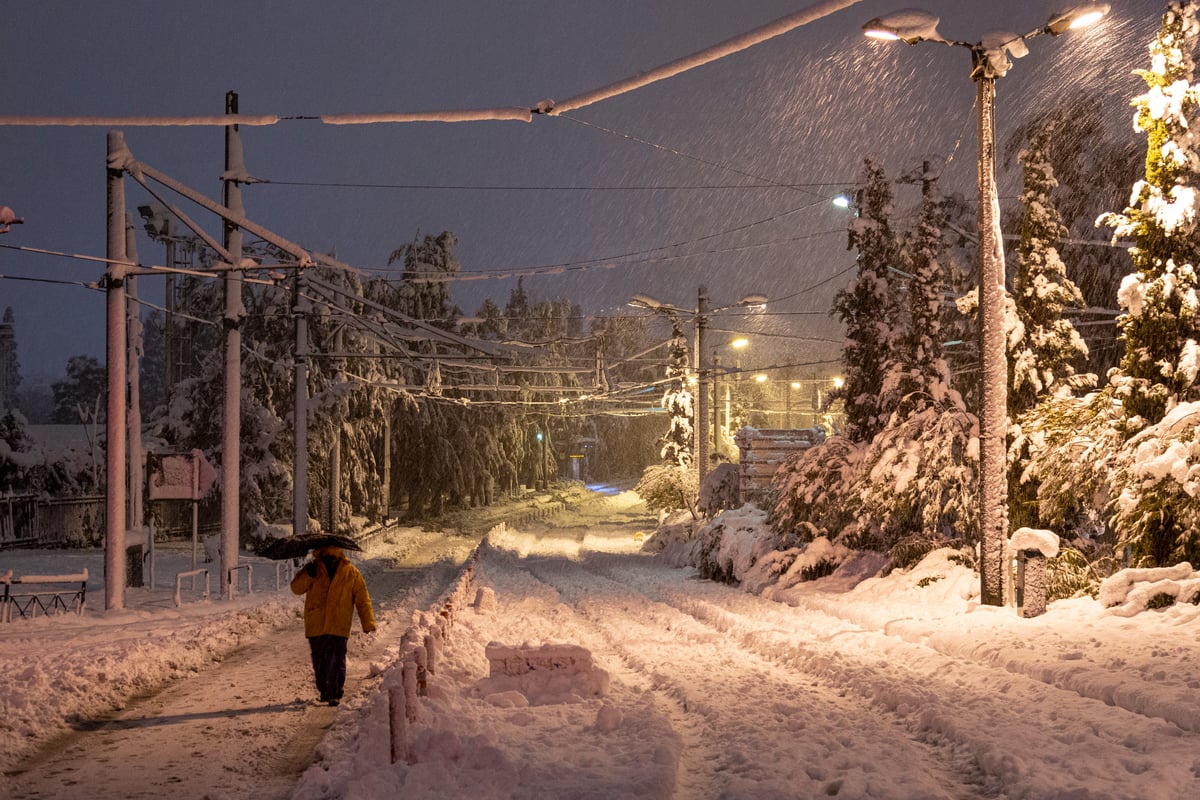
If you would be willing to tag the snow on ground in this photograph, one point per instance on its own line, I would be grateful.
(894, 687)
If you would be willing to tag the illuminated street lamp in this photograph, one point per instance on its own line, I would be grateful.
(989, 61)
(700, 315)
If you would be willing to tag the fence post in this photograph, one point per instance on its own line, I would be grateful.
(398, 722)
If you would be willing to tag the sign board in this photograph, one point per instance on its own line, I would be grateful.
(180, 476)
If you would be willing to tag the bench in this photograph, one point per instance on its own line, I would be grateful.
(63, 594)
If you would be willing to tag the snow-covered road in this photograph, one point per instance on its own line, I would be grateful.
(716, 693)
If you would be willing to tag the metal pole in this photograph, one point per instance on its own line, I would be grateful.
(114, 495)
(231, 432)
(716, 404)
(700, 428)
(170, 344)
(335, 450)
(300, 413)
(993, 422)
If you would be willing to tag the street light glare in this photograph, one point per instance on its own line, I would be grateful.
(738, 344)
(1079, 16)
(760, 378)
(842, 201)
(877, 33)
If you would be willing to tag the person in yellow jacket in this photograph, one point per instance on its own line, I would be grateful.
(333, 589)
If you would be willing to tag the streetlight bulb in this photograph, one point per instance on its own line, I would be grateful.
(738, 344)
(842, 201)
(760, 378)
(795, 384)
(878, 33)
(1079, 16)
(839, 382)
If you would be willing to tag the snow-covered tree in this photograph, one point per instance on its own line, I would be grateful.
(1160, 325)
(866, 307)
(919, 374)
(677, 402)
(1094, 171)
(1044, 349)
(85, 387)
(1156, 508)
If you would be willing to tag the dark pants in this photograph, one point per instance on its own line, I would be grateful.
(329, 664)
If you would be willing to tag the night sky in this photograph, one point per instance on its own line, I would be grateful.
(802, 110)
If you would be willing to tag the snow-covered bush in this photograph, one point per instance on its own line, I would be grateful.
(1157, 476)
(814, 489)
(812, 561)
(720, 489)
(666, 487)
(1072, 442)
(1132, 591)
(919, 479)
(731, 544)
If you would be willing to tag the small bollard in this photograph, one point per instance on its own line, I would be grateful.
(410, 690)
(422, 658)
(433, 650)
(398, 716)
(1031, 583)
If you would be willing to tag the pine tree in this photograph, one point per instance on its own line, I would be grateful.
(923, 378)
(1160, 325)
(867, 309)
(677, 401)
(1045, 348)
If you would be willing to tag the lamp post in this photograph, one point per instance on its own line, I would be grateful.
(700, 315)
(989, 61)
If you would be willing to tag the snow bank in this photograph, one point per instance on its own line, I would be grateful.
(1132, 591)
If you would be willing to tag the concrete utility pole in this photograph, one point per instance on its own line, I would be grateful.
(231, 432)
(700, 428)
(133, 323)
(114, 495)
(300, 412)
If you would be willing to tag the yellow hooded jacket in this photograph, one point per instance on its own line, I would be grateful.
(329, 606)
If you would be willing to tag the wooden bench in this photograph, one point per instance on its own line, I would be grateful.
(63, 594)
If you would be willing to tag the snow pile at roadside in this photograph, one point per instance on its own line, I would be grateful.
(61, 669)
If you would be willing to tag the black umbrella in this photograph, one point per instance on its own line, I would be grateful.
(298, 546)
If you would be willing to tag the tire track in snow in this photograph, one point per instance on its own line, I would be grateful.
(779, 733)
(939, 696)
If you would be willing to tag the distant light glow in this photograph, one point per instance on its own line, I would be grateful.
(738, 344)
(795, 384)
(842, 201)
(761, 378)
(839, 382)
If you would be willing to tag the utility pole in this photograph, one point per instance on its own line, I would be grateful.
(300, 412)
(231, 431)
(114, 495)
(700, 426)
(134, 348)
(335, 449)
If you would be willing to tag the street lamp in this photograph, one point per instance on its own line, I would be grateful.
(989, 61)
(700, 315)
